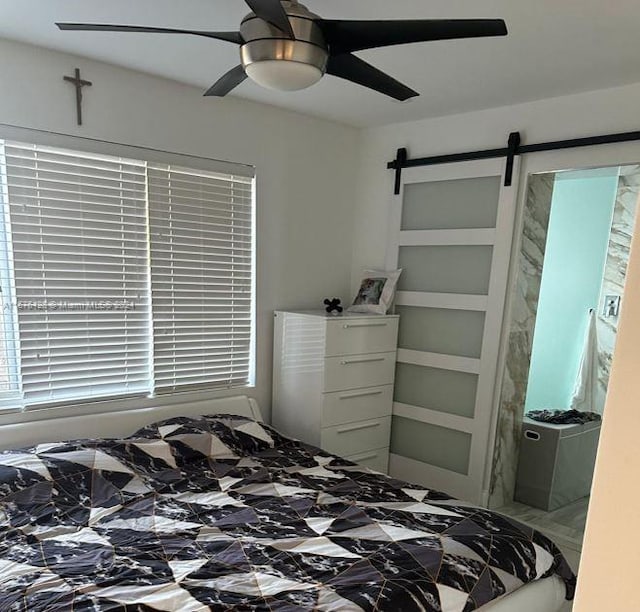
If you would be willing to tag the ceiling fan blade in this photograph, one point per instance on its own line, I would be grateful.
(227, 82)
(348, 36)
(233, 37)
(272, 12)
(352, 68)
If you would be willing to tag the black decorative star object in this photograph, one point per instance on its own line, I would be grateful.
(333, 305)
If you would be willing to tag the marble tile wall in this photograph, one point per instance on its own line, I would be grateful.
(523, 319)
(524, 308)
(616, 269)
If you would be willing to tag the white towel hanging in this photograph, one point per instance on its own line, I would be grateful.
(585, 395)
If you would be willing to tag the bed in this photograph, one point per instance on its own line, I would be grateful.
(221, 512)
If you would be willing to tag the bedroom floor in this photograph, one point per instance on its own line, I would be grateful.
(564, 526)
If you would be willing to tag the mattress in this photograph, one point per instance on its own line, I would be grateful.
(224, 513)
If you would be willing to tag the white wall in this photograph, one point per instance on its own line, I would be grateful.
(305, 166)
(593, 113)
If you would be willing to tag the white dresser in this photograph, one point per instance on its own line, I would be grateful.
(333, 382)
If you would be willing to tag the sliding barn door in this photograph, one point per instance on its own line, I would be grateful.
(450, 231)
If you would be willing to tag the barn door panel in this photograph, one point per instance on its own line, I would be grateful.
(451, 230)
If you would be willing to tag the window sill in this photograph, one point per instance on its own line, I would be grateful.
(11, 416)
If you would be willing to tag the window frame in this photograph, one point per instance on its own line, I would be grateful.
(88, 406)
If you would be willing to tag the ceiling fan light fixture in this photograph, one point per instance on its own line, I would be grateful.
(283, 75)
(285, 65)
(275, 61)
(284, 46)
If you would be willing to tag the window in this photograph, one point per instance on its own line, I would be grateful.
(201, 278)
(121, 277)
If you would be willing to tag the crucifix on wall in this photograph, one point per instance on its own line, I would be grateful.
(78, 83)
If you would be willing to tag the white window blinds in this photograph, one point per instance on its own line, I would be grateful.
(121, 277)
(79, 240)
(201, 277)
(10, 395)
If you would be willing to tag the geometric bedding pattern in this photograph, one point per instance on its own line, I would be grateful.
(223, 513)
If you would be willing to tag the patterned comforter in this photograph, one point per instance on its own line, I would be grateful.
(223, 513)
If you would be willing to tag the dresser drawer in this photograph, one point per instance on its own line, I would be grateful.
(366, 335)
(358, 371)
(355, 438)
(377, 460)
(349, 406)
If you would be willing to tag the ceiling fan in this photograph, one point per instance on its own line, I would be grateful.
(285, 46)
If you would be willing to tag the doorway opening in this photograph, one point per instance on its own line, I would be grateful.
(576, 236)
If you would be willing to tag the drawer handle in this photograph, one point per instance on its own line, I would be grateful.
(358, 427)
(532, 435)
(363, 360)
(360, 394)
(364, 457)
(353, 325)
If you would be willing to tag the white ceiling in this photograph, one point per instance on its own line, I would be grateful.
(555, 47)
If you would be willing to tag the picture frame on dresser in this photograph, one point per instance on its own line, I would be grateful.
(333, 379)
